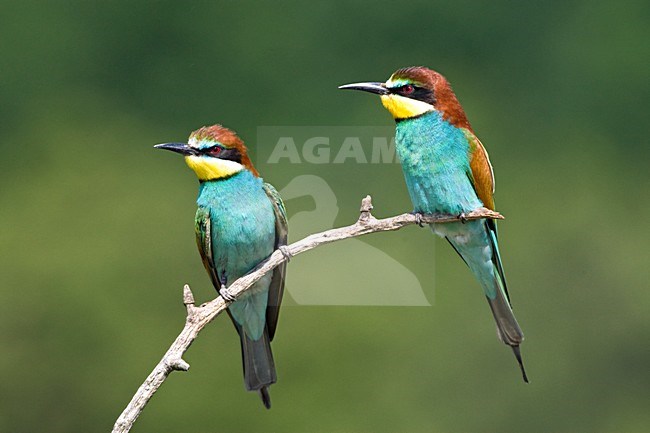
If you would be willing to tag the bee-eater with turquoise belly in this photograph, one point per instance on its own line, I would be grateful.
(240, 221)
(447, 171)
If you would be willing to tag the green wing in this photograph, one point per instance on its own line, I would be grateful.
(202, 228)
(481, 175)
(276, 289)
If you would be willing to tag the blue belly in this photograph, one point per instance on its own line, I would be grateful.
(243, 234)
(435, 160)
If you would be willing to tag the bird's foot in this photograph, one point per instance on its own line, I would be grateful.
(285, 252)
(462, 217)
(418, 218)
(224, 292)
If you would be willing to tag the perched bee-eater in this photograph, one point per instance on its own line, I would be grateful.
(447, 170)
(239, 222)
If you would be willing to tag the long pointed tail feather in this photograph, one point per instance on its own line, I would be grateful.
(517, 353)
(476, 243)
(264, 395)
(259, 367)
(508, 329)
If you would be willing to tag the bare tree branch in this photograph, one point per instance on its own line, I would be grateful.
(199, 317)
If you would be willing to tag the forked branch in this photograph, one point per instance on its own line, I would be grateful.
(199, 317)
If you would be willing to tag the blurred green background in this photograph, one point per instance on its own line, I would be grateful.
(96, 227)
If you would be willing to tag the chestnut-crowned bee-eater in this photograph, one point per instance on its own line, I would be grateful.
(240, 221)
(447, 171)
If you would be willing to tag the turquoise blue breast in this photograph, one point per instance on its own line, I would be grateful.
(435, 160)
(242, 222)
(243, 234)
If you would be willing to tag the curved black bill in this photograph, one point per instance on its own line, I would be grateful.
(378, 88)
(181, 148)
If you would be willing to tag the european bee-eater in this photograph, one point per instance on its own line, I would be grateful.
(447, 170)
(239, 222)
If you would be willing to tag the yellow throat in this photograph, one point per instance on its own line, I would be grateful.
(401, 107)
(207, 168)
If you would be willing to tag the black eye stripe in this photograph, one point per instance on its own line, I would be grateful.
(223, 153)
(418, 93)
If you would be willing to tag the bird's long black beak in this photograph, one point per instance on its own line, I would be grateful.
(181, 148)
(378, 88)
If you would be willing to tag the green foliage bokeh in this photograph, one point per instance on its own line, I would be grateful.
(96, 227)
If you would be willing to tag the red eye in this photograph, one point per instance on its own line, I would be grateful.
(215, 151)
(408, 89)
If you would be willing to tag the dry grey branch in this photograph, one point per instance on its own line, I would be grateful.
(199, 317)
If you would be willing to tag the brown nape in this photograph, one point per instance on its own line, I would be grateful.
(446, 101)
(229, 139)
